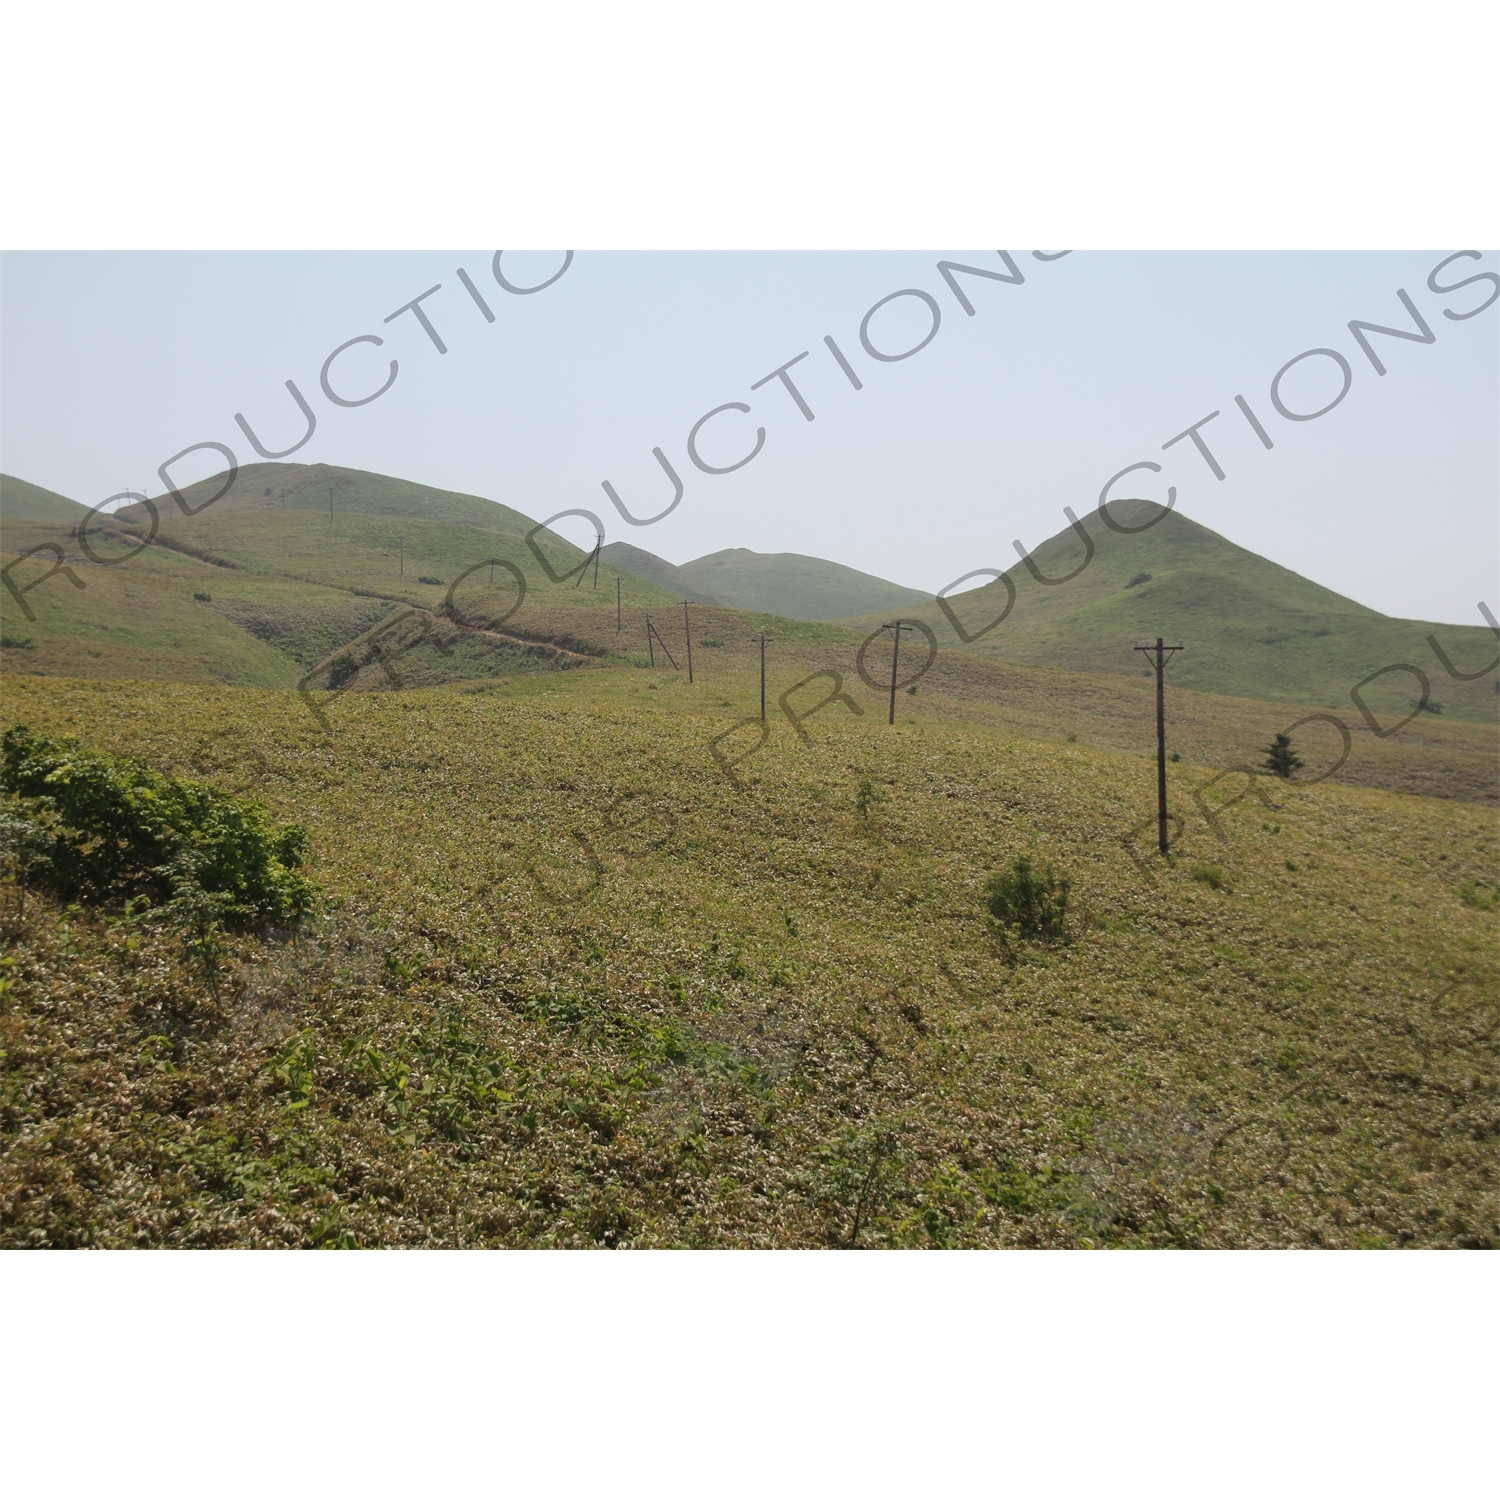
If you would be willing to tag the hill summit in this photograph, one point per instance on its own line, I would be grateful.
(795, 586)
(1250, 628)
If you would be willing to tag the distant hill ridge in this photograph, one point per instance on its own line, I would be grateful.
(795, 586)
(788, 584)
(262, 584)
(642, 564)
(1250, 628)
(21, 501)
(314, 487)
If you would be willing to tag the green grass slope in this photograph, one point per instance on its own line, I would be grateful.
(358, 603)
(1249, 627)
(309, 487)
(574, 985)
(383, 536)
(653, 569)
(144, 619)
(798, 587)
(21, 501)
(289, 587)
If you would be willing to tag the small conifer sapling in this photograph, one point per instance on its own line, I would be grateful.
(1281, 760)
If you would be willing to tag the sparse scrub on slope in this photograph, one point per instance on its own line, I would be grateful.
(756, 1019)
(1029, 900)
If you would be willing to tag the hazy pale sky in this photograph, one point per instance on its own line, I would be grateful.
(113, 362)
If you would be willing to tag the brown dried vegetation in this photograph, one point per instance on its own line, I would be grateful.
(575, 987)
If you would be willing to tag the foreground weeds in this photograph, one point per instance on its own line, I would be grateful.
(573, 987)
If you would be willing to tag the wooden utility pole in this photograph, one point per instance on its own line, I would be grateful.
(618, 621)
(330, 504)
(401, 552)
(651, 631)
(763, 677)
(687, 627)
(1163, 655)
(896, 628)
(593, 557)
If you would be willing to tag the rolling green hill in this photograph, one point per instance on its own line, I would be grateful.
(20, 501)
(653, 569)
(605, 957)
(310, 487)
(260, 587)
(1249, 627)
(267, 590)
(798, 587)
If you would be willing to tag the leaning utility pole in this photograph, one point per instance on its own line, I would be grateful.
(688, 631)
(896, 630)
(1163, 655)
(593, 557)
(652, 631)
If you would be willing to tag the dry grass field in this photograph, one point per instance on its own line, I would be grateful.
(577, 983)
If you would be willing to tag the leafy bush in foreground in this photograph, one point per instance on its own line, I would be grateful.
(1035, 900)
(116, 827)
(26, 850)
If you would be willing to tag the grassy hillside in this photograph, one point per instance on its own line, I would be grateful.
(20, 501)
(1249, 627)
(800, 588)
(308, 487)
(286, 586)
(562, 642)
(1428, 757)
(654, 569)
(576, 985)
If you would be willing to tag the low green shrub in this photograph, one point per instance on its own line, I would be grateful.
(27, 847)
(1211, 876)
(100, 826)
(1479, 895)
(1033, 899)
